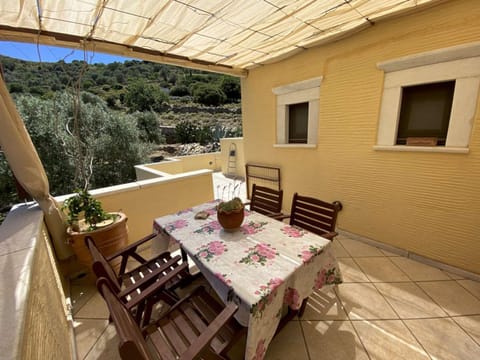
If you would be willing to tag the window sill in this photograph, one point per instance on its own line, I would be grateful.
(437, 149)
(292, 146)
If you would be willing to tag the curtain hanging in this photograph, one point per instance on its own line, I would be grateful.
(28, 169)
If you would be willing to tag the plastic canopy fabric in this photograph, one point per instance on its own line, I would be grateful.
(27, 167)
(228, 36)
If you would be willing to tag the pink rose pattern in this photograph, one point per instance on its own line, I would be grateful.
(327, 277)
(177, 224)
(267, 293)
(209, 228)
(259, 255)
(292, 298)
(253, 227)
(223, 278)
(292, 231)
(307, 255)
(260, 351)
(210, 250)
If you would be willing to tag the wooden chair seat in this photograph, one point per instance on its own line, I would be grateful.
(196, 327)
(147, 283)
(266, 201)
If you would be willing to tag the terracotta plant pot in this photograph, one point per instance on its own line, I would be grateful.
(108, 239)
(231, 220)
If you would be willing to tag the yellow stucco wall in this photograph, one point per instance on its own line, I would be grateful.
(181, 164)
(232, 165)
(426, 203)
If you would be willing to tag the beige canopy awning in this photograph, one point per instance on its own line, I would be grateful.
(229, 36)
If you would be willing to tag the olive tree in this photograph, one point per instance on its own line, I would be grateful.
(84, 144)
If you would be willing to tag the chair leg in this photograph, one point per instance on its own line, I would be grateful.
(302, 307)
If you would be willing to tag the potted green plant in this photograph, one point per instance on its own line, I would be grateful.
(231, 213)
(86, 216)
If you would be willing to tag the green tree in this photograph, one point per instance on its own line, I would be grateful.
(84, 143)
(143, 97)
(208, 94)
(231, 88)
(149, 127)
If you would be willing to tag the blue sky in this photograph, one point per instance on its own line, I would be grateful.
(29, 52)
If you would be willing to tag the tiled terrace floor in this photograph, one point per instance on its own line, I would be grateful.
(389, 307)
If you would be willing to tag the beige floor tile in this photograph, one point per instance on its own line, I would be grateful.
(95, 308)
(350, 271)
(381, 269)
(363, 301)
(389, 339)
(80, 294)
(452, 297)
(106, 348)
(324, 305)
(418, 271)
(356, 248)
(409, 300)
(339, 249)
(471, 324)
(288, 344)
(472, 286)
(443, 339)
(87, 332)
(332, 340)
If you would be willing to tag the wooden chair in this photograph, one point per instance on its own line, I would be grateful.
(197, 327)
(314, 215)
(147, 283)
(266, 201)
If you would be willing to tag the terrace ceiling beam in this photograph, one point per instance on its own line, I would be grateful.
(8, 33)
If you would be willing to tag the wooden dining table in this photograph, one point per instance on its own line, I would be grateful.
(264, 266)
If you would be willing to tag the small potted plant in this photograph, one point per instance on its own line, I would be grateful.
(85, 216)
(230, 213)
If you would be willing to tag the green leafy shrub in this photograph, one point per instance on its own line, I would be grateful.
(143, 97)
(208, 94)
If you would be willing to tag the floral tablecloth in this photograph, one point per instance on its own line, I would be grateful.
(261, 266)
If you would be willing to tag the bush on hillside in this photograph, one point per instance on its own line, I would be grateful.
(210, 95)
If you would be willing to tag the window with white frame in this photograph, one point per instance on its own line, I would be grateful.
(298, 113)
(430, 96)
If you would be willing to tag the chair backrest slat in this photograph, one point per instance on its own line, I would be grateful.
(313, 215)
(265, 200)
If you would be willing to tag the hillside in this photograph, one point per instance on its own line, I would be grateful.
(205, 98)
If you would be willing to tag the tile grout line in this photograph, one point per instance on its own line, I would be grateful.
(468, 290)
(351, 324)
(95, 343)
(464, 330)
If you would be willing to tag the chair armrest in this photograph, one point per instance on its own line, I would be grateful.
(203, 341)
(128, 250)
(329, 235)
